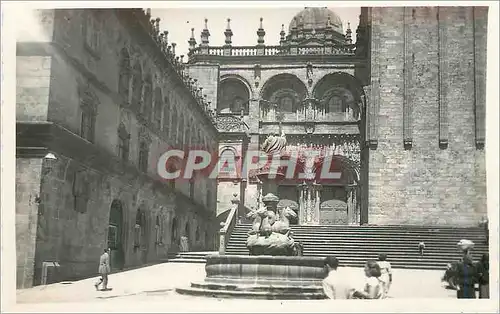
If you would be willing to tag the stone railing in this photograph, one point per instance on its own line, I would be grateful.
(228, 226)
(236, 51)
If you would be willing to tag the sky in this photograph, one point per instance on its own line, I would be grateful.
(244, 23)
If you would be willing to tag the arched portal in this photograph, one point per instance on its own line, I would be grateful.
(115, 235)
(323, 191)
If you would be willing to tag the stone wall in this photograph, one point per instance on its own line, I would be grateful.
(50, 83)
(208, 78)
(426, 168)
(75, 236)
(28, 174)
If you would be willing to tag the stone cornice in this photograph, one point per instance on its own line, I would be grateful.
(144, 39)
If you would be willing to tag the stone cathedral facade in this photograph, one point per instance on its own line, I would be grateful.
(401, 111)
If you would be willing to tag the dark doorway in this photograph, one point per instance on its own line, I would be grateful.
(115, 235)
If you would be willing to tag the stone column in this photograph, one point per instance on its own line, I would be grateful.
(351, 205)
(302, 203)
(355, 206)
(317, 202)
(308, 205)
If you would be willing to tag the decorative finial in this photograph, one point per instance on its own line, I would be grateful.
(228, 33)
(192, 32)
(206, 25)
(261, 33)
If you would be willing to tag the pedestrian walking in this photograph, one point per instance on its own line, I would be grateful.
(104, 270)
(484, 277)
(421, 248)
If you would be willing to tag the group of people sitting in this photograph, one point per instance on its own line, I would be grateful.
(378, 281)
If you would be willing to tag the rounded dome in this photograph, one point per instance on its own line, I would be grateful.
(316, 18)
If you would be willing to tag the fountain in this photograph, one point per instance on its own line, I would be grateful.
(274, 268)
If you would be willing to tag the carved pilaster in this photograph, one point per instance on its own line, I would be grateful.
(480, 31)
(375, 80)
(408, 65)
(316, 202)
(443, 70)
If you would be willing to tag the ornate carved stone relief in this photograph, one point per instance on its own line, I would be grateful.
(229, 123)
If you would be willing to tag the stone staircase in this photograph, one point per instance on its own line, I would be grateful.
(354, 245)
(190, 257)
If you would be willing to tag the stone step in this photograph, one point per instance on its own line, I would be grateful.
(251, 294)
(379, 228)
(388, 234)
(188, 260)
(282, 288)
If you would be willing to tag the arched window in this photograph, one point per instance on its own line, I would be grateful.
(158, 108)
(187, 230)
(187, 139)
(88, 107)
(166, 116)
(233, 97)
(123, 143)
(175, 120)
(92, 29)
(148, 98)
(174, 231)
(140, 227)
(159, 230)
(181, 130)
(124, 75)
(227, 162)
(143, 155)
(136, 85)
(197, 234)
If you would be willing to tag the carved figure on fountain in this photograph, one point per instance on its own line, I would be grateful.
(270, 233)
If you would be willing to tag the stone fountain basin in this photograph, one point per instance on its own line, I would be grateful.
(261, 277)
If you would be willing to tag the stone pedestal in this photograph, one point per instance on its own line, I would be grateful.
(261, 277)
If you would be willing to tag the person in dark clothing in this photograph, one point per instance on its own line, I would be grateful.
(483, 269)
(467, 277)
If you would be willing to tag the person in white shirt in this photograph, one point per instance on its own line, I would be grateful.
(335, 285)
(373, 288)
(386, 272)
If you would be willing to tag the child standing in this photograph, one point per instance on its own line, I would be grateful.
(386, 272)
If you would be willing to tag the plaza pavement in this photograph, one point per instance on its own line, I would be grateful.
(152, 289)
(158, 283)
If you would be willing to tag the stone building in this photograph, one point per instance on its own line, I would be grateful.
(100, 95)
(401, 112)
